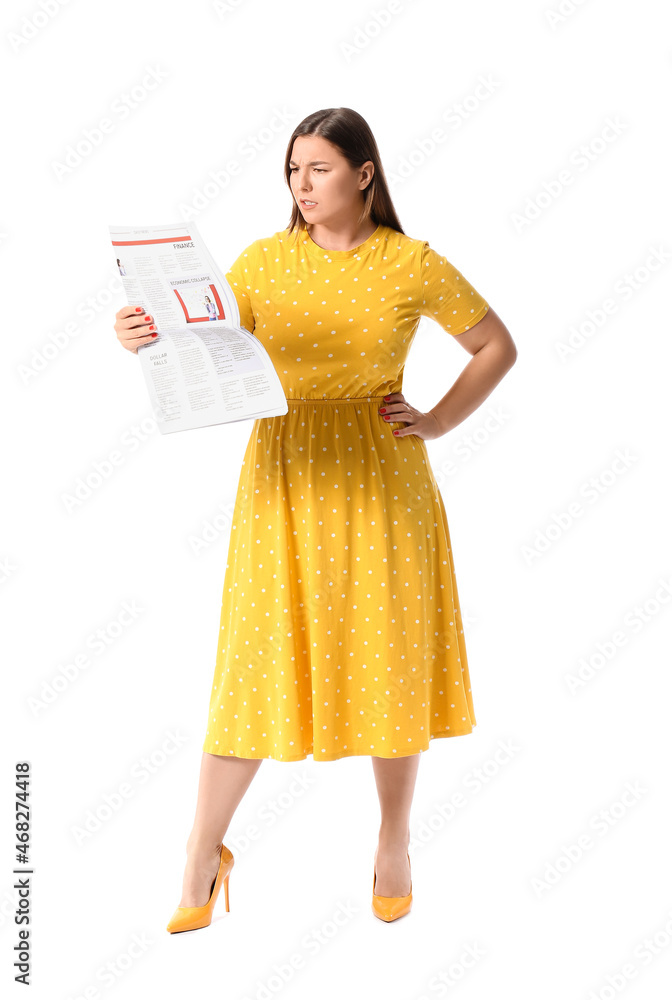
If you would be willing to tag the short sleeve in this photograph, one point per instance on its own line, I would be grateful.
(238, 276)
(446, 295)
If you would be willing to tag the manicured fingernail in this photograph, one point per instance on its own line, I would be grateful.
(138, 309)
(395, 432)
(151, 327)
(156, 335)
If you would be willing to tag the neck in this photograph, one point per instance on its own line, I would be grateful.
(346, 237)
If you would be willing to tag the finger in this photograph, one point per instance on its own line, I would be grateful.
(404, 431)
(138, 322)
(126, 311)
(135, 337)
(397, 415)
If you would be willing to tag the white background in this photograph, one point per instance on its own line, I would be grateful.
(537, 599)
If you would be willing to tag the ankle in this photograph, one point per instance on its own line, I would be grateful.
(393, 838)
(202, 850)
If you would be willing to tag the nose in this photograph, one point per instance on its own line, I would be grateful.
(301, 181)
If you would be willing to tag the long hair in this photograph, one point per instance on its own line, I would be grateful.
(350, 134)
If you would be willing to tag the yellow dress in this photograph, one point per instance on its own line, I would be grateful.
(340, 630)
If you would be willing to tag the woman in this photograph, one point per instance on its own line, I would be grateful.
(341, 632)
(211, 307)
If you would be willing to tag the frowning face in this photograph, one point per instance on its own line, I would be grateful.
(327, 189)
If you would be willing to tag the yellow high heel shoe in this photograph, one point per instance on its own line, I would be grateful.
(390, 907)
(190, 918)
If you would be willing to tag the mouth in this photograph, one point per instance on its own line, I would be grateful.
(308, 204)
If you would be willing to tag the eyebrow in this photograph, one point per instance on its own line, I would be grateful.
(312, 162)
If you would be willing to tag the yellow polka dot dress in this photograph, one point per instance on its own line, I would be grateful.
(340, 631)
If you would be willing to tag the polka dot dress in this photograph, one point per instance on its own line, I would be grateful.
(340, 631)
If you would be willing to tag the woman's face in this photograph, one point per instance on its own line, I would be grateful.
(321, 174)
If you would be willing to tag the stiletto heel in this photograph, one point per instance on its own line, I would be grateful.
(391, 907)
(190, 918)
(226, 892)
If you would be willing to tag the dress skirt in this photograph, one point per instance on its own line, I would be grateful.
(340, 628)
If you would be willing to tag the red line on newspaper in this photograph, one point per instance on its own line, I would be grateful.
(137, 243)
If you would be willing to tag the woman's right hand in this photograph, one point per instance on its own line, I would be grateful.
(134, 327)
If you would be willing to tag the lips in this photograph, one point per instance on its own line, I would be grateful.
(305, 201)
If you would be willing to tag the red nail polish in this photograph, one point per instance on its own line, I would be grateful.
(395, 432)
(155, 335)
(151, 327)
(146, 318)
(386, 398)
(138, 309)
(382, 409)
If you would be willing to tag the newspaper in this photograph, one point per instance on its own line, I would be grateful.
(204, 368)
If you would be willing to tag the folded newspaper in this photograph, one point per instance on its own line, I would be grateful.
(203, 368)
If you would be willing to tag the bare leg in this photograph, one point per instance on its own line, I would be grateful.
(223, 782)
(395, 782)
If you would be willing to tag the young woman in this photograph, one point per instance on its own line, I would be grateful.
(211, 308)
(341, 632)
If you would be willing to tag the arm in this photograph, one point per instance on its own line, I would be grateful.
(493, 353)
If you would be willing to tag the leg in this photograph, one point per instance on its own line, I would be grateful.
(395, 781)
(223, 782)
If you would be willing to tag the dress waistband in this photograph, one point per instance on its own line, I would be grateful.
(333, 399)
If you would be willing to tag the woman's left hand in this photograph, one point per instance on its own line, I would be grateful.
(423, 425)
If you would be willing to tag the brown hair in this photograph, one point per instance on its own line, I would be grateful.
(351, 135)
